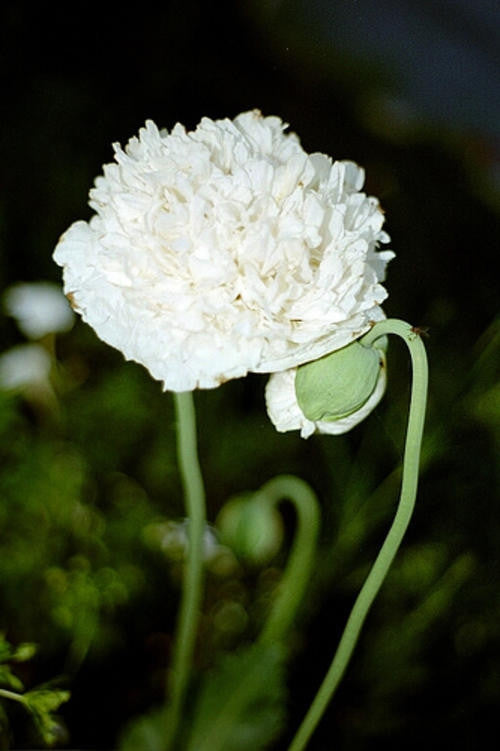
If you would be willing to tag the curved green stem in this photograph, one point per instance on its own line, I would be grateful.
(396, 533)
(298, 569)
(193, 573)
(270, 646)
(14, 696)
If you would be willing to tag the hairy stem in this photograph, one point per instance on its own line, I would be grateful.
(396, 533)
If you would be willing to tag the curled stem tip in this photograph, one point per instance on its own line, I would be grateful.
(301, 559)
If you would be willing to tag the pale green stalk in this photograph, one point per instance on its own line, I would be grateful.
(187, 626)
(396, 533)
(301, 559)
(6, 694)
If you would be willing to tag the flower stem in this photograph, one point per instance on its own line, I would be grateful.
(193, 573)
(6, 694)
(396, 533)
(298, 570)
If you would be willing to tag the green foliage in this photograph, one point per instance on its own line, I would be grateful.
(81, 494)
(9, 654)
(80, 568)
(41, 703)
(240, 706)
(76, 551)
(146, 732)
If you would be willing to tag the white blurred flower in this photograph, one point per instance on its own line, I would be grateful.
(172, 537)
(39, 308)
(286, 414)
(225, 250)
(24, 366)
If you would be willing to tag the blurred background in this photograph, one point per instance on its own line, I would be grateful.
(91, 533)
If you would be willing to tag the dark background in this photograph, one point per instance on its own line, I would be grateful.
(410, 91)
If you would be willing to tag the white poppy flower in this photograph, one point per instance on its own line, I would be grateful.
(225, 250)
(39, 308)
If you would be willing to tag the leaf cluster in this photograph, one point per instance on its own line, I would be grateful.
(41, 703)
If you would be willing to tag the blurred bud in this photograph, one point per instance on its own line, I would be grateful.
(23, 367)
(252, 527)
(172, 538)
(39, 308)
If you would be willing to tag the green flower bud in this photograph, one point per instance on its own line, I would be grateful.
(340, 383)
(251, 526)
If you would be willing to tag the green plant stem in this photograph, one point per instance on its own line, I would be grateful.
(290, 593)
(396, 533)
(6, 694)
(301, 559)
(189, 613)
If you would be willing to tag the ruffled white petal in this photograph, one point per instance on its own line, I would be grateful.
(225, 250)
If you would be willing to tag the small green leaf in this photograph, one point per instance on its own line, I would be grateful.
(45, 699)
(5, 649)
(7, 678)
(24, 652)
(42, 703)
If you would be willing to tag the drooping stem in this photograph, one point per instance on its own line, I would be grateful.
(396, 533)
(301, 559)
(194, 495)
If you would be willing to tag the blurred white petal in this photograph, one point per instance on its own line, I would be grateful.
(24, 366)
(39, 308)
